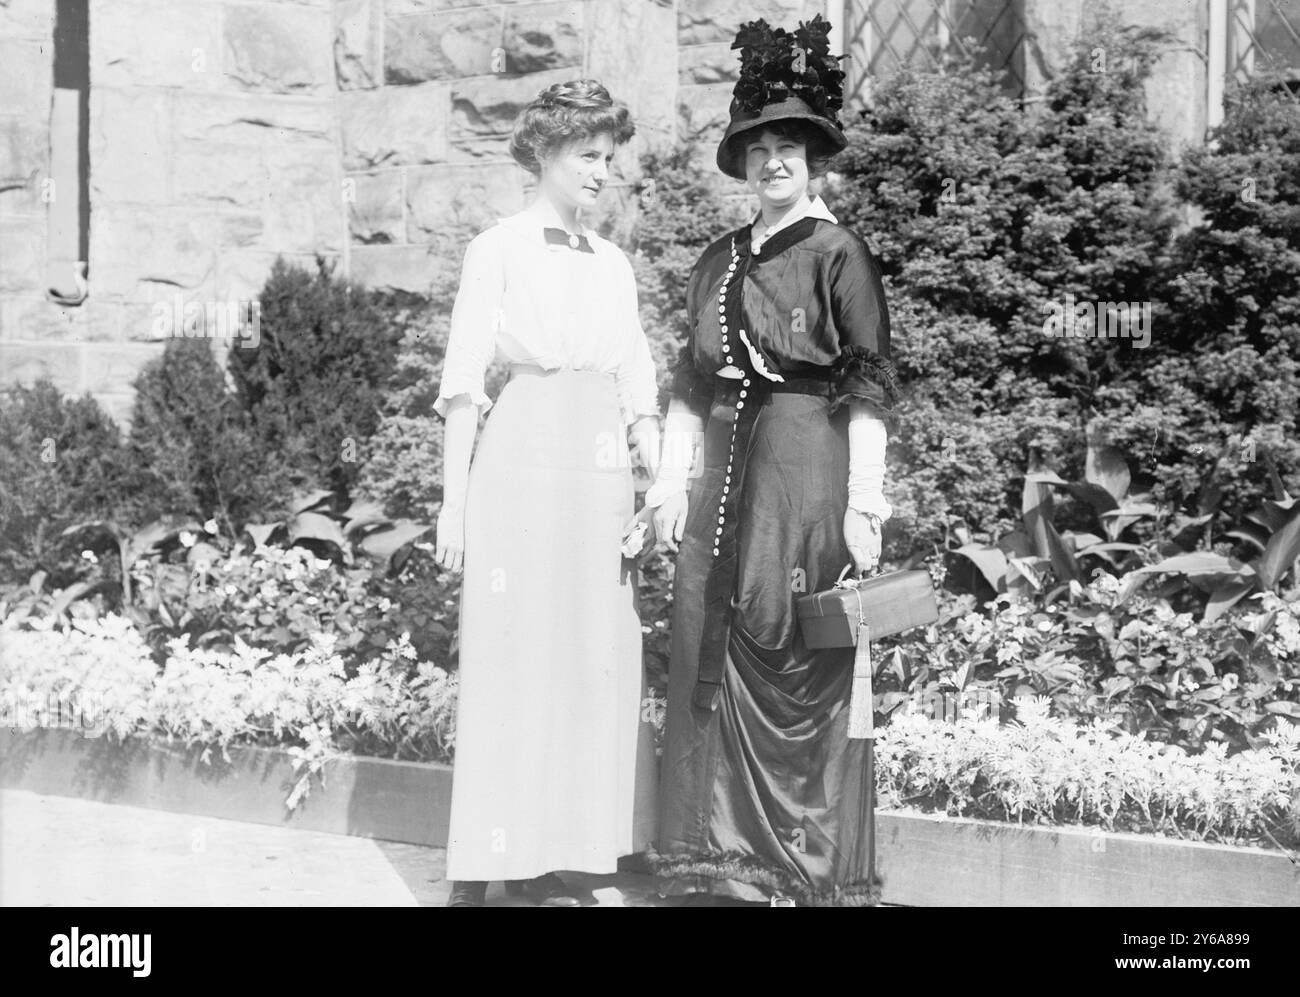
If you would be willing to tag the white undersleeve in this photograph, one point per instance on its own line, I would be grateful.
(867, 439)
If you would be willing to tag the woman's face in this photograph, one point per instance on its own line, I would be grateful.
(776, 168)
(574, 174)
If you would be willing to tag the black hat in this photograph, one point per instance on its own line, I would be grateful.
(783, 76)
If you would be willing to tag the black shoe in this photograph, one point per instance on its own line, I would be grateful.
(545, 891)
(468, 893)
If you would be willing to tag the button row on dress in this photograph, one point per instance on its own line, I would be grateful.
(726, 350)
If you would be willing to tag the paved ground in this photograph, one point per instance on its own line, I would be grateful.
(63, 852)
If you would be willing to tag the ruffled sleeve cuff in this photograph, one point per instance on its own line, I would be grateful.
(863, 375)
(453, 387)
(690, 386)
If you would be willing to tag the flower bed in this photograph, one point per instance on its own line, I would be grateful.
(1045, 770)
(98, 676)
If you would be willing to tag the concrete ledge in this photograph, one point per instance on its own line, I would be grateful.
(370, 797)
(926, 860)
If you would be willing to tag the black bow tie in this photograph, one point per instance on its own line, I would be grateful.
(559, 237)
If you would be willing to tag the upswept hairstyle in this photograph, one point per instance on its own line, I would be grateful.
(564, 113)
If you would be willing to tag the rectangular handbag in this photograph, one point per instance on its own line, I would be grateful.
(854, 613)
(888, 604)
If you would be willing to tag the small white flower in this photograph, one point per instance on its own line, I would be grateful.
(187, 538)
(210, 526)
(89, 555)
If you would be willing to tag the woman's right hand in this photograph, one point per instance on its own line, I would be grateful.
(450, 541)
(670, 522)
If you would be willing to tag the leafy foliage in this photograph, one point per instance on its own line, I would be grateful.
(1102, 652)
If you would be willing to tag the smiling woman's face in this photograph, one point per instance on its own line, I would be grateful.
(575, 173)
(776, 168)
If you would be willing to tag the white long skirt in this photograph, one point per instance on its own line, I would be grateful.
(554, 767)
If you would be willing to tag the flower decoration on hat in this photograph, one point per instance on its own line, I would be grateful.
(776, 65)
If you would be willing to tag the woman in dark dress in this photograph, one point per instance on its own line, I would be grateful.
(787, 373)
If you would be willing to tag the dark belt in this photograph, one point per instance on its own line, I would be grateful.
(724, 566)
(727, 386)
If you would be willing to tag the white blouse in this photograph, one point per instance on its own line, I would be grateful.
(529, 302)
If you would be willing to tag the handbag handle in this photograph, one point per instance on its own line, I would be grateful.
(840, 583)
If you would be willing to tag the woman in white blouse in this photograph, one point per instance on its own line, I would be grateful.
(554, 769)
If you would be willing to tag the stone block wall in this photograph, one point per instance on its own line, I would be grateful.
(213, 148)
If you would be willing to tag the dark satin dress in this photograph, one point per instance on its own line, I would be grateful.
(762, 791)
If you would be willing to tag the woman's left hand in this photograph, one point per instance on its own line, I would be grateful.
(862, 537)
(642, 523)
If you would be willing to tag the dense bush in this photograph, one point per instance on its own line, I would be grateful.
(982, 217)
(192, 448)
(313, 387)
(404, 469)
(1225, 369)
(61, 461)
